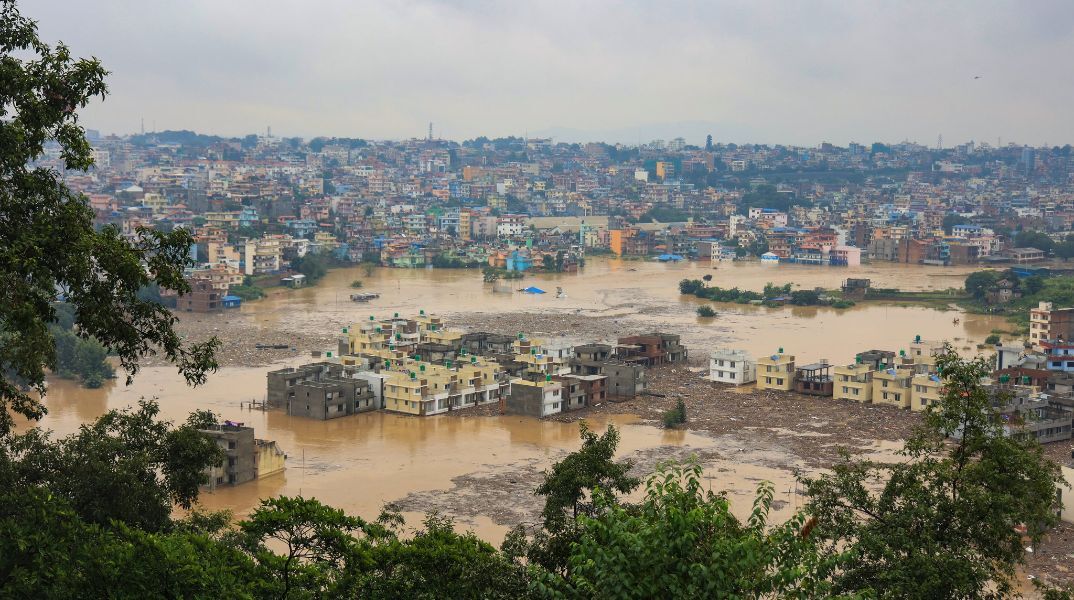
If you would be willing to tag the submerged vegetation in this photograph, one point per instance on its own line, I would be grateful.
(773, 295)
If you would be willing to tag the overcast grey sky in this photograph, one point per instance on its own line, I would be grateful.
(776, 72)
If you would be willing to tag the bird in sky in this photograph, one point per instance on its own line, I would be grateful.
(976, 76)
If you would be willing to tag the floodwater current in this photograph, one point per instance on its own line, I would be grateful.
(360, 463)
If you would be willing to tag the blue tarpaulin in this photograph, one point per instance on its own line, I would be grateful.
(667, 257)
(533, 290)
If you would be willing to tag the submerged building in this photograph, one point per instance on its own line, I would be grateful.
(245, 457)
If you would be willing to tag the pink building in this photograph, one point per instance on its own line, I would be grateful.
(848, 256)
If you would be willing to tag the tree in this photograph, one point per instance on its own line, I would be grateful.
(952, 219)
(568, 490)
(154, 465)
(313, 265)
(978, 283)
(317, 541)
(48, 551)
(942, 523)
(683, 542)
(1034, 239)
(438, 563)
(805, 297)
(1065, 249)
(766, 196)
(675, 416)
(1033, 284)
(47, 237)
(548, 262)
(758, 247)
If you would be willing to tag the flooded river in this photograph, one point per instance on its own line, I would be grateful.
(633, 296)
(362, 462)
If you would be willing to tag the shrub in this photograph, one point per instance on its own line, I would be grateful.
(842, 304)
(705, 311)
(992, 340)
(675, 416)
(357, 283)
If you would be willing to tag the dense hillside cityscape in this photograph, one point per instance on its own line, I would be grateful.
(432, 202)
(378, 366)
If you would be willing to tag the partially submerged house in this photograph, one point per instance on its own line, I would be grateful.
(736, 367)
(814, 379)
(245, 457)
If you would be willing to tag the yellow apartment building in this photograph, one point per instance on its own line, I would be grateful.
(775, 372)
(222, 220)
(853, 382)
(537, 364)
(270, 458)
(927, 390)
(464, 225)
(893, 387)
(423, 388)
(326, 239)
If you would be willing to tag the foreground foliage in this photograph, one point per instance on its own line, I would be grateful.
(944, 521)
(48, 241)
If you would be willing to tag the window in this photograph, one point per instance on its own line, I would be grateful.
(555, 406)
(231, 444)
(779, 381)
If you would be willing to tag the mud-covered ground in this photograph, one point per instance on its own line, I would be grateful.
(239, 336)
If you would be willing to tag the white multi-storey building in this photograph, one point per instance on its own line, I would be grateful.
(732, 366)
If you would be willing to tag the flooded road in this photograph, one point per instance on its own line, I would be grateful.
(362, 462)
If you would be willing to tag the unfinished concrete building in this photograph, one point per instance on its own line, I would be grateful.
(245, 457)
(623, 380)
(487, 344)
(239, 448)
(652, 349)
(320, 391)
(580, 391)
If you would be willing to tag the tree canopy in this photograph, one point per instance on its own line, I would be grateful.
(48, 241)
(944, 522)
(1034, 239)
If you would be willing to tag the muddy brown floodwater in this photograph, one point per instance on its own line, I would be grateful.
(482, 470)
